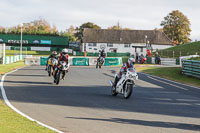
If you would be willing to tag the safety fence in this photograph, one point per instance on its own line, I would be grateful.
(164, 61)
(12, 59)
(191, 68)
(79, 61)
(176, 54)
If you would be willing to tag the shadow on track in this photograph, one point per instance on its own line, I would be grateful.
(146, 123)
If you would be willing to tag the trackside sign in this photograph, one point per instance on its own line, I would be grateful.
(45, 41)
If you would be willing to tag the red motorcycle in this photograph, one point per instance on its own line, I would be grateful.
(143, 60)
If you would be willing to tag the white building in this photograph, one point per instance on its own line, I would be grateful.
(123, 41)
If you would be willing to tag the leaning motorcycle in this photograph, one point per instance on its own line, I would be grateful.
(125, 84)
(100, 62)
(52, 62)
(61, 68)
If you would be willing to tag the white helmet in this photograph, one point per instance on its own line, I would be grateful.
(131, 61)
(65, 51)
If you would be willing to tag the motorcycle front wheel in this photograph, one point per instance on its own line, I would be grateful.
(97, 64)
(128, 91)
(57, 77)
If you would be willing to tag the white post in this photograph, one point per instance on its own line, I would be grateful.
(21, 43)
(4, 53)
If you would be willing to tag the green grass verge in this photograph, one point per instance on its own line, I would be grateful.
(9, 67)
(171, 73)
(185, 49)
(195, 58)
(10, 121)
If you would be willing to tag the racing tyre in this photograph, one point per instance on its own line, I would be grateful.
(128, 91)
(113, 92)
(57, 77)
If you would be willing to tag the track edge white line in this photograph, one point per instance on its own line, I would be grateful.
(169, 80)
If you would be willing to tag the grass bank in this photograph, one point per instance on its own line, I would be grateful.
(181, 50)
(34, 53)
(171, 73)
(195, 58)
(10, 121)
(9, 67)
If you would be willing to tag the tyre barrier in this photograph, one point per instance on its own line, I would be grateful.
(191, 68)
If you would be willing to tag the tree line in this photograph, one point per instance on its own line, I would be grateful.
(175, 25)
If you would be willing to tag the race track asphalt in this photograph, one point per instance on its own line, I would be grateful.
(82, 103)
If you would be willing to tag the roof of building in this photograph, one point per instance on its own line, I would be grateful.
(124, 36)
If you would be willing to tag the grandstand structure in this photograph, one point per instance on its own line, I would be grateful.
(35, 42)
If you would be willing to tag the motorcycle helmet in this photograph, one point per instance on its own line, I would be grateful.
(54, 53)
(65, 51)
(131, 61)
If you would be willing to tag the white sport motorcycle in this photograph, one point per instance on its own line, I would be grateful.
(125, 84)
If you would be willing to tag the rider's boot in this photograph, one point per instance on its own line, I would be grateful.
(63, 76)
(115, 82)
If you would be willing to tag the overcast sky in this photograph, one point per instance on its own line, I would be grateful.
(135, 14)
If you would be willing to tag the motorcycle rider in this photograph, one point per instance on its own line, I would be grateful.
(125, 66)
(102, 55)
(141, 57)
(62, 57)
(53, 55)
(157, 58)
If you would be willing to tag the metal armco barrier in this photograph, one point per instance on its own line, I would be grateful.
(113, 61)
(191, 68)
(166, 61)
(78, 61)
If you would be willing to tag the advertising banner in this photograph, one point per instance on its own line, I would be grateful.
(45, 41)
(80, 61)
(113, 61)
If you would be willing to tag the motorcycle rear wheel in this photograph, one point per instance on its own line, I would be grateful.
(97, 64)
(113, 92)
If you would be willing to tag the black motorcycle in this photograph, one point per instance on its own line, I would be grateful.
(157, 60)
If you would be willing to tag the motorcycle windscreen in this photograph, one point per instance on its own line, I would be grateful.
(132, 70)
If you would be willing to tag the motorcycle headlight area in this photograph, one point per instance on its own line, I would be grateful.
(131, 76)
